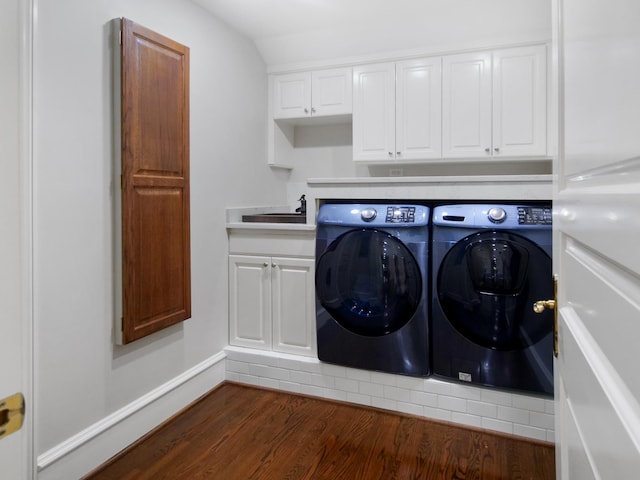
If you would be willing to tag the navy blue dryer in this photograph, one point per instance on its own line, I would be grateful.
(491, 263)
(372, 287)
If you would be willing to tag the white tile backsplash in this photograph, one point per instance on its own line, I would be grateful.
(524, 415)
(358, 398)
(514, 415)
(371, 389)
(466, 419)
(411, 408)
(455, 404)
(347, 385)
(482, 409)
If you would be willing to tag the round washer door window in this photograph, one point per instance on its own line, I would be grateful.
(369, 282)
(487, 284)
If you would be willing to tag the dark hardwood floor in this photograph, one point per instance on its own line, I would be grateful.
(238, 432)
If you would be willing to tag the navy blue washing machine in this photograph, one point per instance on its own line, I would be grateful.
(491, 263)
(372, 287)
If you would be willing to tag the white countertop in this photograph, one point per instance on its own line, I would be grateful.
(427, 180)
(426, 188)
(234, 219)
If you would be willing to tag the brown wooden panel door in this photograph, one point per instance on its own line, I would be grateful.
(156, 273)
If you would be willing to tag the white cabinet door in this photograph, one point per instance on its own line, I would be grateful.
(293, 306)
(374, 112)
(250, 301)
(418, 109)
(520, 101)
(466, 105)
(292, 95)
(331, 92)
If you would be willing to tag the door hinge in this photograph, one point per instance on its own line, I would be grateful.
(11, 414)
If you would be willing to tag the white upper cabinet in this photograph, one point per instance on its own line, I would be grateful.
(312, 94)
(396, 111)
(495, 103)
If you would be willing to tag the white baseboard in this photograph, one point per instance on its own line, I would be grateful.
(91, 447)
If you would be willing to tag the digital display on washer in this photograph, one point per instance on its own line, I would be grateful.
(401, 215)
(534, 216)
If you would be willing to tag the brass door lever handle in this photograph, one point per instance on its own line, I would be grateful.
(541, 305)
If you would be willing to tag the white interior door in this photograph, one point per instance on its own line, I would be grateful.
(597, 227)
(15, 345)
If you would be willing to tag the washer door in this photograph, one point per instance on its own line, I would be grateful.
(369, 282)
(487, 285)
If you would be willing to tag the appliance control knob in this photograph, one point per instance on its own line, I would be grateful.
(497, 215)
(368, 214)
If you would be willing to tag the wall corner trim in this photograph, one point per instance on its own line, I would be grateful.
(91, 433)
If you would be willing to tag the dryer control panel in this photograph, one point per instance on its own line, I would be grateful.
(496, 216)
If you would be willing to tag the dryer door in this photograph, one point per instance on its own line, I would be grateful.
(369, 282)
(487, 284)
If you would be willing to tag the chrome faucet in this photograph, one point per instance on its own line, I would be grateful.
(302, 209)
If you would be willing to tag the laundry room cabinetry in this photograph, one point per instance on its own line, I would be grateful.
(271, 297)
(312, 94)
(494, 104)
(320, 99)
(396, 111)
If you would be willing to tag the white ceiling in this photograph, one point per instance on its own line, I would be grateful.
(294, 31)
(260, 19)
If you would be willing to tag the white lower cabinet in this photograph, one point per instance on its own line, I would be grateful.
(271, 303)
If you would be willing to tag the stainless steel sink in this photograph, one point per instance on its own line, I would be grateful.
(276, 218)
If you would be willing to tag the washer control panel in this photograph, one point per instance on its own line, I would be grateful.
(534, 216)
(374, 215)
(401, 215)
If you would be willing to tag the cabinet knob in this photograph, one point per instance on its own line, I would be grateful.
(398, 153)
(306, 110)
(274, 265)
(487, 150)
(265, 264)
(391, 154)
(497, 150)
(313, 110)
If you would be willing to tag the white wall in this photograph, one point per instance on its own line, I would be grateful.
(81, 376)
